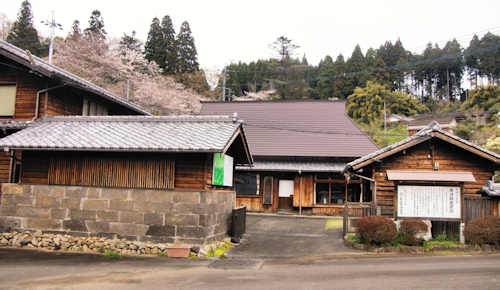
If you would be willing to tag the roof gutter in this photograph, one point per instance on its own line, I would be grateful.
(37, 102)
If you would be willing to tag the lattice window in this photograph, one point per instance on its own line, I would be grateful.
(129, 173)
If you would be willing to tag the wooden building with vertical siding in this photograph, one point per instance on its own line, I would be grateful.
(31, 89)
(415, 177)
(300, 148)
(151, 177)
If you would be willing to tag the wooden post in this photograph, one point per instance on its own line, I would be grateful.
(345, 221)
(300, 192)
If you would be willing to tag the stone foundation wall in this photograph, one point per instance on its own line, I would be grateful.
(183, 217)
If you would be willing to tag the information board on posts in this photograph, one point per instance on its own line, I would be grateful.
(429, 201)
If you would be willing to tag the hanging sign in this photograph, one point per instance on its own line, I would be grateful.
(429, 201)
(222, 170)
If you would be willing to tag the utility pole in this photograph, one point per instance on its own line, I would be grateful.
(224, 85)
(385, 122)
(53, 25)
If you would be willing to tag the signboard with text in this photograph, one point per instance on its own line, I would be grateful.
(429, 201)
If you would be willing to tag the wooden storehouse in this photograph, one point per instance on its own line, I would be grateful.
(30, 89)
(300, 148)
(430, 175)
(168, 178)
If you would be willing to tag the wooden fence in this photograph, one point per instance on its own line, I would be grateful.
(352, 213)
(475, 207)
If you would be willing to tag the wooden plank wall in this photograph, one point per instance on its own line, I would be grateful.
(4, 168)
(307, 188)
(421, 157)
(254, 202)
(190, 171)
(112, 172)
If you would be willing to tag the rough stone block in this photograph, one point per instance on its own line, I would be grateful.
(49, 202)
(8, 210)
(188, 208)
(56, 191)
(43, 224)
(207, 219)
(16, 200)
(182, 219)
(114, 193)
(209, 197)
(191, 232)
(58, 213)
(107, 216)
(75, 192)
(186, 197)
(146, 206)
(75, 225)
(97, 227)
(29, 211)
(117, 204)
(41, 190)
(93, 192)
(83, 214)
(128, 229)
(7, 223)
(157, 239)
(95, 204)
(189, 241)
(138, 195)
(70, 203)
(158, 195)
(157, 230)
(27, 189)
(153, 219)
(221, 228)
(131, 217)
(12, 188)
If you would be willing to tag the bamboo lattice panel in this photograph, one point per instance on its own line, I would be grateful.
(129, 173)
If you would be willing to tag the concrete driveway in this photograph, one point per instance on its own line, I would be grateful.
(270, 237)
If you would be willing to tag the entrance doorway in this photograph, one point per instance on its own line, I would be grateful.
(285, 193)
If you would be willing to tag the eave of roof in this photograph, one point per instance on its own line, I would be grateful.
(51, 71)
(294, 166)
(178, 134)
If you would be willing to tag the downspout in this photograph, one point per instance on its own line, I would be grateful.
(300, 192)
(11, 156)
(37, 102)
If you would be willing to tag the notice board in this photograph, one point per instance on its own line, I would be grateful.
(429, 201)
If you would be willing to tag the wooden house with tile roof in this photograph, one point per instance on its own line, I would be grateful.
(300, 148)
(30, 88)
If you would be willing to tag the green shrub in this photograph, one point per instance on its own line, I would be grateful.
(483, 230)
(376, 230)
(410, 228)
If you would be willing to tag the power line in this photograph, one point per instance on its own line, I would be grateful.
(344, 133)
(386, 68)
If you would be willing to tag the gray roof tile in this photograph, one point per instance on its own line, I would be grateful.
(127, 133)
(294, 166)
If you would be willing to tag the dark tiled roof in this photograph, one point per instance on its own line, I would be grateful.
(297, 128)
(294, 166)
(127, 133)
(422, 135)
(52, 71)
(443, 119)
(13, 124)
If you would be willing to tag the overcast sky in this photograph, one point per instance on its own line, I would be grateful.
(234, 30)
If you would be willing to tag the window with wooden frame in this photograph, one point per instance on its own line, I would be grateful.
(334, 189)
(247, 183)
(7, 100)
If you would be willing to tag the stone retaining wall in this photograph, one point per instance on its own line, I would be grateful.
(187, 217)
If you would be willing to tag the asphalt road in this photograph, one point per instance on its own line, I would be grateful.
(22, 269)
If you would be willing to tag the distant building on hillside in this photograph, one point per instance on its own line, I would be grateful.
(447, 121)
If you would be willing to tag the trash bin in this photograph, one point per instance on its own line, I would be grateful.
(238, 223)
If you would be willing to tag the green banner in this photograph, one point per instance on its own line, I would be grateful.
(218, 171)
